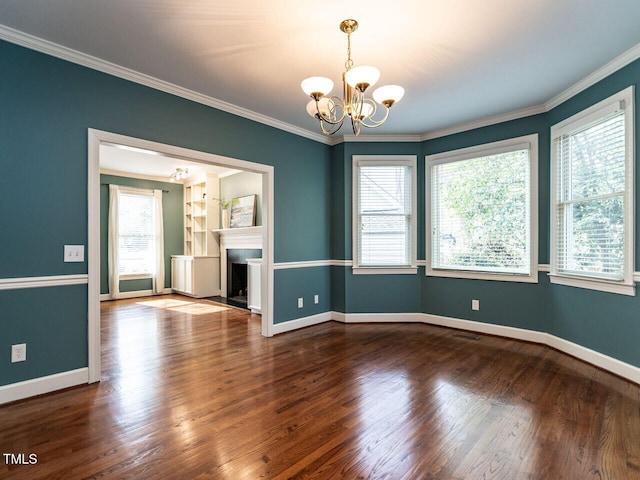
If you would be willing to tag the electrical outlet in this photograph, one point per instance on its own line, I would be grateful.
(475, 304)
(316, 299)
(18, 352)
(300, 302)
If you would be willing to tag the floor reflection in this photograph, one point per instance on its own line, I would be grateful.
(495, 434)
(385, 416)
(136, 349)
(185, 306)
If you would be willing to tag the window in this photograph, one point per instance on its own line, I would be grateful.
(482, 221)
(592, 197)
(384, 223)
(136, 234)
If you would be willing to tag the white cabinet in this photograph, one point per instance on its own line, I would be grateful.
(195, 276)
(254, 280)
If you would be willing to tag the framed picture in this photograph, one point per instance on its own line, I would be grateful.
(243, 212)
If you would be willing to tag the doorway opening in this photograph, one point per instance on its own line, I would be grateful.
(99, 138)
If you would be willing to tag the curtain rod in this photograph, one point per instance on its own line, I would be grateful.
(163, 191)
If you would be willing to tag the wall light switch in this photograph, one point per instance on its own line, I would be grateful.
(316, 299)
(74, 253)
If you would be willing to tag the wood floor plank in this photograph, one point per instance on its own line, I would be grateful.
(190, 390)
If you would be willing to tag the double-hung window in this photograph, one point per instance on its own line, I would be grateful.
(135, 237)
(384, 220)
(136, 233)
(482, 211)
(592, 222)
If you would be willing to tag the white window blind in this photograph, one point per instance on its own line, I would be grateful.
(590, 199)
(384, 215)
(481, 211)
(136, 234)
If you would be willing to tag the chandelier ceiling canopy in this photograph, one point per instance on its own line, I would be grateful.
(332, 111)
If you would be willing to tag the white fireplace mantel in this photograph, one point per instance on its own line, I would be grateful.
(243, 237)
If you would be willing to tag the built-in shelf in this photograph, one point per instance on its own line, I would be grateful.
(197, 271)
(201, 215)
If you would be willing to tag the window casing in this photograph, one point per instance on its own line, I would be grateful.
(482, 211)
(384, 220)
(136, 233)
(592, 197)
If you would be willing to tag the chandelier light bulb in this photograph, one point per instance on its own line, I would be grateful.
(325, 106)
(317, 87)
(388, 95)
(362, 77)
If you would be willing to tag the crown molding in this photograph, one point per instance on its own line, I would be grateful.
(613, 66)
(380, 138)
(484, 122)
(44, 46)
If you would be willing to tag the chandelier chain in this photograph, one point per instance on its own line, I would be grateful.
(348, 63)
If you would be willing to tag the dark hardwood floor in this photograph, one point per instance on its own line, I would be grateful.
(190, 390)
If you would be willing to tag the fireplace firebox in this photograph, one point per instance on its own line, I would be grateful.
(237, 274)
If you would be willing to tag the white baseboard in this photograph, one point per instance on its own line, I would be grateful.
(604, 362)
(488, 328)
(134, 294)
(303, 322)
(39, 386)
(378, 317)
(585, 354)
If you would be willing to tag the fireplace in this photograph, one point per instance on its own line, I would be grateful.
(237, 274)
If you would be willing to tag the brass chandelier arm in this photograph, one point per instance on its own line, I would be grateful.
(330, 131)
(332, 119)
(371, 123)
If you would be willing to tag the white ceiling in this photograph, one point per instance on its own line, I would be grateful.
(460, 61)
(148, 164)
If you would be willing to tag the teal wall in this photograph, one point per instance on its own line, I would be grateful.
(607, 323)
(172, 217)
(369, 293)
(47, 106)
(604, 322)
(52, 321)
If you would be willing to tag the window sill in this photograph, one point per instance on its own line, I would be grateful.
(138, 276)
(385, 270)
(600, 285)
(500, 277)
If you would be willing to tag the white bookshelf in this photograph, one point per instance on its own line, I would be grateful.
(197, 271)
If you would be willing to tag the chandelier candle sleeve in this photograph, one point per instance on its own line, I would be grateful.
(331, 112)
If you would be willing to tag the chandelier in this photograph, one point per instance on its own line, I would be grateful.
(179, 174)
(331, 112)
